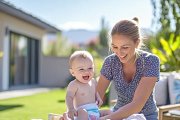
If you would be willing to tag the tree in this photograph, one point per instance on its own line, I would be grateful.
(59, 46)
(103, 34)
(169, 54)
(168, 16)
(166, 41)
(103, 48)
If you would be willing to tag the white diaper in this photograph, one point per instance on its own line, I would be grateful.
(92, 109)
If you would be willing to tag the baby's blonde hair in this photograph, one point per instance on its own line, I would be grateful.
(79, 54)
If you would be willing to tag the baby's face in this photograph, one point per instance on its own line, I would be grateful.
(83, 69)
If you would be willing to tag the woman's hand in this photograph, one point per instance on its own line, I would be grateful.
(103, 118)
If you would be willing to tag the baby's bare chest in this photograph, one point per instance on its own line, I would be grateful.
(86, 91)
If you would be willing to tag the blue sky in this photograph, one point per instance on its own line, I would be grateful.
(67, 14)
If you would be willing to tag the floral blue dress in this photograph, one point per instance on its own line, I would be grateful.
(147, 65)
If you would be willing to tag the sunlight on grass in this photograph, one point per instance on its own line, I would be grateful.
(35, 106)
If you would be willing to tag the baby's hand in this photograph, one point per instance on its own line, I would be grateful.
(99, 102)
(72, 113)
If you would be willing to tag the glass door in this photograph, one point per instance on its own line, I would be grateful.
(24, 58)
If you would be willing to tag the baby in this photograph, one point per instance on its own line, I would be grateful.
(82, 100)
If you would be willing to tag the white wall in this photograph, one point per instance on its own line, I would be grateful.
(0, 74)
(54, 71)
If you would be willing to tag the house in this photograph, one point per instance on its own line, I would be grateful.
(21, 59)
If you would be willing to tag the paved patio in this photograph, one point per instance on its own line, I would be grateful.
(23, 91)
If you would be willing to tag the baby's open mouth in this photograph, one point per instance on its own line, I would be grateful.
(86, 77)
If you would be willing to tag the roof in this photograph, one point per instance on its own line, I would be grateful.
(10, 9)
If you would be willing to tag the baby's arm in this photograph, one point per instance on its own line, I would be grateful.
(71, 91)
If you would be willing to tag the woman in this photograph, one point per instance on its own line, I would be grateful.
(134, 73)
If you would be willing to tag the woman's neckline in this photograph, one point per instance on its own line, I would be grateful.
(122, 73)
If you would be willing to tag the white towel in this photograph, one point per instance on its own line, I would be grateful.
(136, 117)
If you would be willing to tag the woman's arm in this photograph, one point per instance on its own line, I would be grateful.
(102, 85)
(99, 101)
(141, 95)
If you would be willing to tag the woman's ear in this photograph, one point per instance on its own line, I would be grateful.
(71, 71)
(137, 43)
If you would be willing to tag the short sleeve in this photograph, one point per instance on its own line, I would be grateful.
(106, 69)
(151, 66)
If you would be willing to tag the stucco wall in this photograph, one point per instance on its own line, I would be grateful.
(54, 71)
(0, 74)
(1, 47)
(19, 26)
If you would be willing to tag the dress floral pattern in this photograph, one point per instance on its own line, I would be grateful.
(147, 65)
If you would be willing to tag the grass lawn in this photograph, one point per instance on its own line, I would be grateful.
(34, 106)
